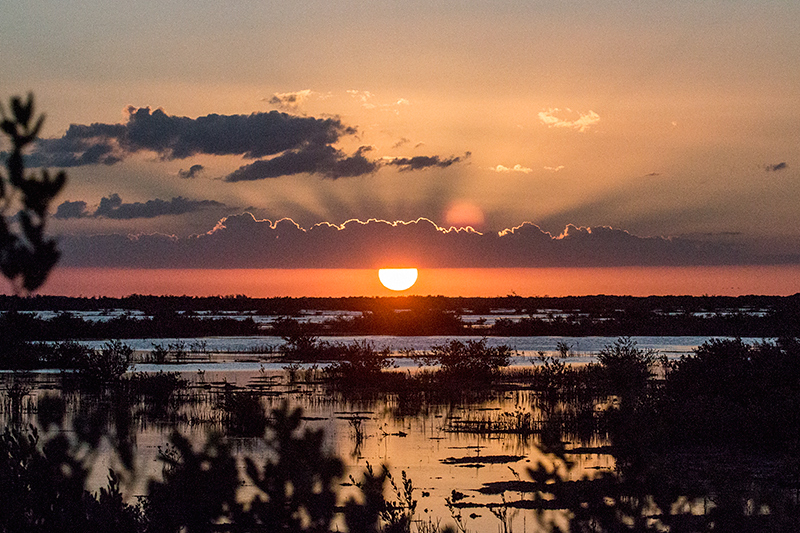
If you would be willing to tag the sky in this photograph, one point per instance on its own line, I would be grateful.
(247, 134)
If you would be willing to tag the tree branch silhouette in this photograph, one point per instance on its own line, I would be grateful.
(26, 255)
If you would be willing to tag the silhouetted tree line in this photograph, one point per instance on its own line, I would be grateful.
(780, 320)
(23, 327)
(289, 305)
(238, 303)
(757, 316)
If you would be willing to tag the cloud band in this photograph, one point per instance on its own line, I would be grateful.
(241, 241)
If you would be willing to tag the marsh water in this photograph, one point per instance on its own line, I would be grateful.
(435, 441)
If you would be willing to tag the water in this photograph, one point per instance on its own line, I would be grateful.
(404, 432)
(252, 353)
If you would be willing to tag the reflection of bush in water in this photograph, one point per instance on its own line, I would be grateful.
(243, 415)
(710, 447)
(160, 392)
(707, 447)
(296, 487)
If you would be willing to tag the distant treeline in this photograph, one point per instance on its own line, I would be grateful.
(287, 305)
(613, 316)
(15, 326)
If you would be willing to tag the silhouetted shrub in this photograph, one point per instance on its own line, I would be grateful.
(198, 488)
(359, 362)
(298, 485)
(734, 393)
(67, 355)
(627, 368)
(301, 346)
(472, 360)
(160, 354)
(243, 414)
(42, 490)
(106, 365)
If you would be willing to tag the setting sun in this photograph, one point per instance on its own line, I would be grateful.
(398, 279)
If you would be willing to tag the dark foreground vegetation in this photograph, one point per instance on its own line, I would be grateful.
(708, 442)
(611, 316)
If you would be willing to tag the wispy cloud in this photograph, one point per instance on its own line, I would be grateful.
(291, 100)
(515, 168)
(776, 167)
(193, 172)
(422, 161)
(363, 96)
(367, 100)
(113, 207)
(559, 168)
(582, 123)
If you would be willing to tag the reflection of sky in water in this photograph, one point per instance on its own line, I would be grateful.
(418, 442)
(251, 353)
(319, 316)
(396, 434)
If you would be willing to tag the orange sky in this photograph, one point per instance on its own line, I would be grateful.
(662, 120)
(634, 281)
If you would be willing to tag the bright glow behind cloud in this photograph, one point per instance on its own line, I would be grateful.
(582, 123)
(515, 168)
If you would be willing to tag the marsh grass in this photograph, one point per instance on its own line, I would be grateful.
(357, 435)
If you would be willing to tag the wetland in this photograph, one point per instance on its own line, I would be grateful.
(307, 432)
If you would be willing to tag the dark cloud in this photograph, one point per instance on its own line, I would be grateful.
(776, 167)
(73, 150)
(252, 136)
(193, 172)
(241, 241)
(325, 160)
(113, 207)
(283, 144)
(423, 161)
(71, 210)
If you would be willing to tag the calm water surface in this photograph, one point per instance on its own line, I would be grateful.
(400, 432)
(247, 353)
